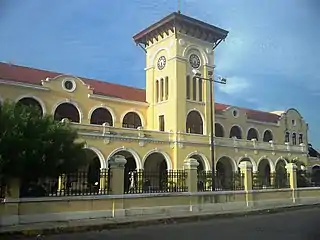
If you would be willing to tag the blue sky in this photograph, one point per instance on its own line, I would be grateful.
(271, 56)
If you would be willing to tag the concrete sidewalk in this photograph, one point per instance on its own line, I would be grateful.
(47, 228)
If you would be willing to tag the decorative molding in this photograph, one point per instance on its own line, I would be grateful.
(101, 97)
(24, 85)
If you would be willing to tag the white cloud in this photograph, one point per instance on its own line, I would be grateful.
(235, 85)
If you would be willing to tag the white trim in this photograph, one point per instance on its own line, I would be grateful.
(42, 104)
(104, 107)
(205, 160)
(315, 165)
(202, 117)
(294, 109)
(223, 128)
(102, 97)
(129, 150)
(237, 125)
(70, 102)
(164, 154)
(66, 76)
(189, 49)
(25, 85)
(253, 127)
(70, 80)
(152, 58)
(271, 164)
(280, 159)
(263, 123)
(233, 162)
(253, 162)
(135, 111)
(267, 129)
(101, 157)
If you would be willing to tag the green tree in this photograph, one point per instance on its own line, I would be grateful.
(33, 147)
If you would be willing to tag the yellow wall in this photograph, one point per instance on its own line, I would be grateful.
(175, 144)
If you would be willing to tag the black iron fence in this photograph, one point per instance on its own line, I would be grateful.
(156, 182)
(308, 179)
(2, 190)
(74, 184)
(223, 182)
(275, 180)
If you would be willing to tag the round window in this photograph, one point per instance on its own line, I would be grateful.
(68, 85)
(235, 113)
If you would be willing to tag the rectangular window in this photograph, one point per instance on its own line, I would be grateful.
(294, 139)
(157, 91)
(161, 123)
(161, 89)
(167, 88)
(200, 90)
(188, 87)
(300, 138)
(194, 88)
(287, 137)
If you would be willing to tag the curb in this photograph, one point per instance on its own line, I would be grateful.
(147, 222)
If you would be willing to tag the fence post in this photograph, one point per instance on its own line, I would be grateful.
(292, 175)
(246, 170)
(103, 181)
(190, 165)
(61, 184)
(117, 164)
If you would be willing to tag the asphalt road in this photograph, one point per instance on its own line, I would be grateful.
(293, 225)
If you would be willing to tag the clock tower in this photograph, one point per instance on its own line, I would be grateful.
(174, 46)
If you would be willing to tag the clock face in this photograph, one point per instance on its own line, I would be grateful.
(194, 61)
(161, 62)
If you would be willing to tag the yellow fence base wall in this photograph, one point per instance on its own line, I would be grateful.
(33, 210)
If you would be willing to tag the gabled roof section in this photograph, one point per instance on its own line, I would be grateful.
(255, 115)
(10, 72)
(182, 23)
(20, 74)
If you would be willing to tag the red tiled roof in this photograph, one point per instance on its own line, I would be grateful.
(28, 75)
(34, 76)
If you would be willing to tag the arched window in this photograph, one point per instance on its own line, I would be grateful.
(200, 89)
(157, 91)
(161, 89)
(300, 138)
(219, 131)
(294, 139)
(67, 110)
(167, 88)
(194, 123)
(131, 120)
(188, 87)
(252, 134)
(100, 116)
(267, 136)
(235, 131)
(287, 137)
(31, 102)
(194, 88)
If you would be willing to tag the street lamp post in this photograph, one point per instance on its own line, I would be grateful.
(211, 80)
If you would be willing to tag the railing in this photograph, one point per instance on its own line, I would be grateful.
(275, 180)
(147, 135)
(73, 184)
(314, 160)
(308, 179)
(2, 190)
(155, 182)
(223, 182)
